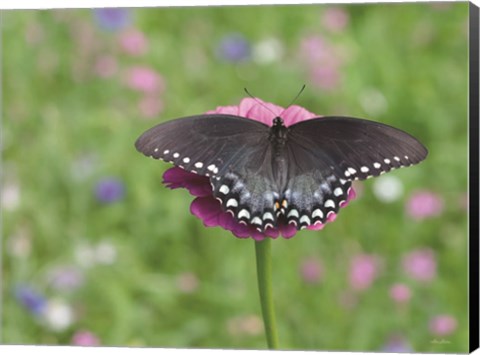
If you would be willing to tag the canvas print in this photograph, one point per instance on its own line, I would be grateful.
(237, 177)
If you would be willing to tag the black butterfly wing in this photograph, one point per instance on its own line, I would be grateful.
(205, 144)
(233, 151)
(357, 148)
(326, 154)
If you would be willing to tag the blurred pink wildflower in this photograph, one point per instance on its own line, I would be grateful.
(207, 208)
(85, 338)
(420, 264)
(133, 42)
(105, 66)
(363, 271)
(424, 204)
(150, 106)
(145, 80)
(335, 19)
(322, 62)
(442, 325)
(311, 270)
(400, 293)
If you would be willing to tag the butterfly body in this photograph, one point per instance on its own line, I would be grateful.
(270, 175)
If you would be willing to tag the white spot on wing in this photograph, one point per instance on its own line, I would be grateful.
(293, 212)
(352, 171)
(377, 165)
(176, 155)
(211, 167)
(199, 165)
(387, 161)
(232, 202)
(396, 158)
(329, 203)
(155, 150)
(305, 219)
(186, 160)
(338, 191)
(166, 151)
(267, 215)
(224, 189)
(256, 220)
(364, 169)
(244, 213)
(317, 213)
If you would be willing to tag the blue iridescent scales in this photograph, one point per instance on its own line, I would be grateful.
(299, 174)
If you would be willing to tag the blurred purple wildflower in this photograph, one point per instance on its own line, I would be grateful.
(335, 19)
(442, 325)
(400, 293)
(208, 209)
(420, 264)
(363, 271)
(133, 42)
(145, 80)
(397, 344)
(65, 278)
(109, 190)
(113, 18)
(85, 338)
(424, 204)
(311, 270)
(234, 48)
(30, 299)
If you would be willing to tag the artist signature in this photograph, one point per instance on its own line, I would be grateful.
(440, 341)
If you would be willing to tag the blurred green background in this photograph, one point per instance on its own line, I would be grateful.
(95, 250)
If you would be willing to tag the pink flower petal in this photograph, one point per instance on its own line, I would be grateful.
(295, 114)
(197, 185)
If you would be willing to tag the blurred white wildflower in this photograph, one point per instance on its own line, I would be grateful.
(268, 51)
(84, 255)
(19, 244)
(58, 315)
(105, 253)
(10, 195)
(187, 282)
(388, 188)
(373, 102)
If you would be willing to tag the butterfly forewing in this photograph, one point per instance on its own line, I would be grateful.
(205, 144)
(356, 148)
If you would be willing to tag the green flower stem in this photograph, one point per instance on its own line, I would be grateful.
(264, 276)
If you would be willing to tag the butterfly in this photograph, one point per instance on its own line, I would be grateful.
(267, 175)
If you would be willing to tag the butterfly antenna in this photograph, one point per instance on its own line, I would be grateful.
(295, 99)
(259, 102)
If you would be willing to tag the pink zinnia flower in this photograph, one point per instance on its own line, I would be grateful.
(145, 79)
(363, 271)
(443, 325)
(424, 204)
(400, 293)
(207, 208)
(134, 42)
(420, 264)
